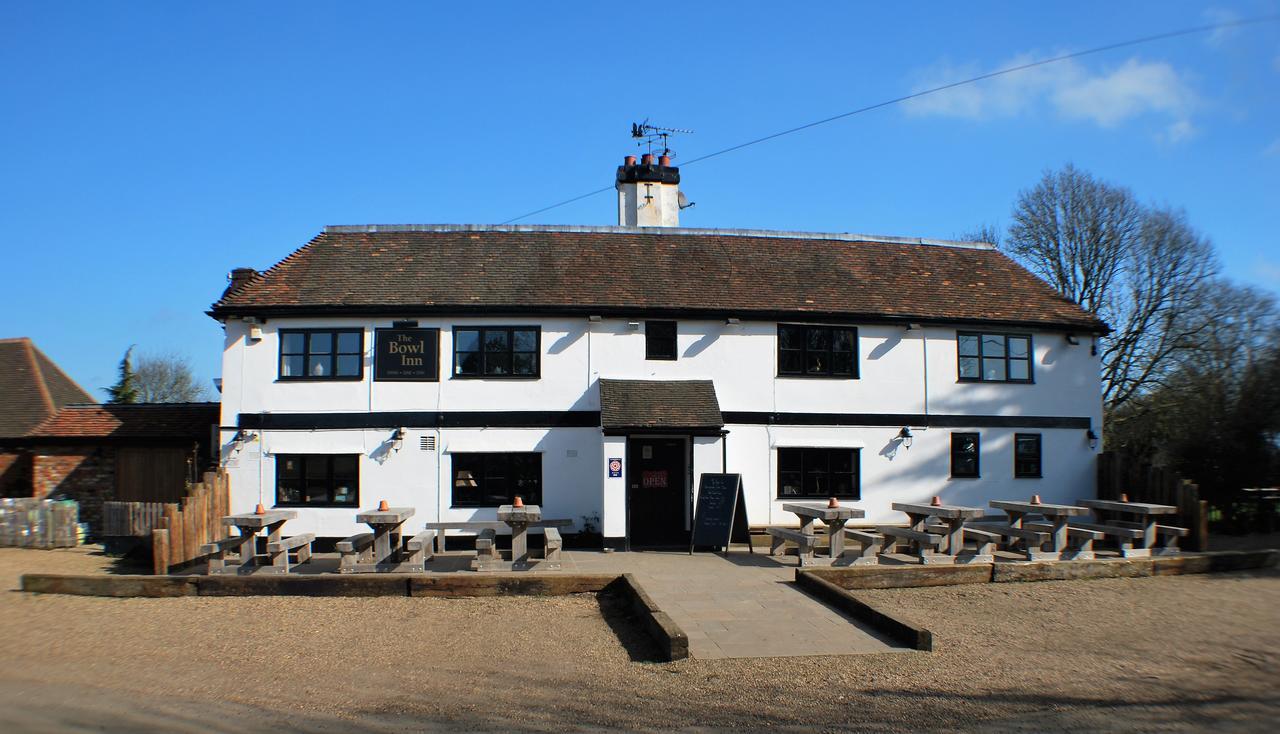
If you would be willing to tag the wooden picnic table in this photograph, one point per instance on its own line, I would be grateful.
(519, 519)
(953, 516)
(1057, 515)
(834, 518)
(1147, 513)
(249, 524)
(386, 531)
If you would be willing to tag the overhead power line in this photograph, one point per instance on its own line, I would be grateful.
(934, 90)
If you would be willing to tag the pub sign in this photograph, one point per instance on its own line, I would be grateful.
(407, 355)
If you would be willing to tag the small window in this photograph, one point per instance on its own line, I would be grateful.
(964, 455)
(817, 351)
(321, 354)
(489, 480)
(818, 473)
(1026, 455)
(496, 351)
(994, 357)
(660, 340)
(317, 480)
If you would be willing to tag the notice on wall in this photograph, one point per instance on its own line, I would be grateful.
(721, 515)
(407, 355)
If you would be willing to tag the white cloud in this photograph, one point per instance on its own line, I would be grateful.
(1178, 132)
(1219, 36)
(1067, 89)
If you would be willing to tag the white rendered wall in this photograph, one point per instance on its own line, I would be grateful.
(741, 360)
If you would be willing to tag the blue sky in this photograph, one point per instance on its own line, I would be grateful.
(148, 148)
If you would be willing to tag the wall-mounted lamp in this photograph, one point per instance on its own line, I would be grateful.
(241, 438)
(913, 327)
(397, 439)
(732, 320)
(633, 325)
(1093, 438)
(595, 319)
(906, 436)
(1072, 340)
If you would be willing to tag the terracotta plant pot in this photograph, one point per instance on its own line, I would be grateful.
(1035, 499)
(518, 502)
(936, 501)
(833, 503)
(259, 510)
(383, 506)
(1124, 498)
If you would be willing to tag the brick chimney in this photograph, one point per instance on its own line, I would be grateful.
(648, 192)
(237, 280)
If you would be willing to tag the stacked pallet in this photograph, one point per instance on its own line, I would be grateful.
(33, 523)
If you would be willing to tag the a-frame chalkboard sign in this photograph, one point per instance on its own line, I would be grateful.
(720, 517)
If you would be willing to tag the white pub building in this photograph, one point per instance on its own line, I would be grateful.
(599, 371)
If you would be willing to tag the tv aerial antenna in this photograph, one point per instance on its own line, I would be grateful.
(648, 135)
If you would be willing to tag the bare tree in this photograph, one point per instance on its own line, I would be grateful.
(988, 233)
(167, 378)
(1142, 270)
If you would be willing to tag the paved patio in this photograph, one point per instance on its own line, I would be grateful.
(739, 606)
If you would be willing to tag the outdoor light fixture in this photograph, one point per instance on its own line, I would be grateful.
(1072, 340)
(1093, 438)
(732, 321)
(595, 319)
(241, 438)
(397, 439)
(912, 326)
(905, 435)
(633, 325)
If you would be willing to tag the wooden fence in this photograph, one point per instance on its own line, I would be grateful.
(1118, 474)
(131, 519)
(196, 521)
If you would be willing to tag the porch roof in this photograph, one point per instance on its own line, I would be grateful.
(647, 405)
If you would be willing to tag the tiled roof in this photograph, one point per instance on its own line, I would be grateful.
(146, 420)
(659, 404)
(442, 268)
(32, 387)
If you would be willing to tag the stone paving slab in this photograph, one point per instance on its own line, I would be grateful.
(734, 607)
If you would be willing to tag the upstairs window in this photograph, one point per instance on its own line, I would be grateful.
(495, 351)
(660, 340)
(964, 455)
(489, 480)
(1026, 455)
(317, 480)
(994, 357)
(818, 473)
(817, 351)
(321, 354)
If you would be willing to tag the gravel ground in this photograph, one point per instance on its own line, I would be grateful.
(1158, 654)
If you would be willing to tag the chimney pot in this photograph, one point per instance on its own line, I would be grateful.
(647, 159)
(629, 161)
(664, 160)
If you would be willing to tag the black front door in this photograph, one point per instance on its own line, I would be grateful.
(657, 491)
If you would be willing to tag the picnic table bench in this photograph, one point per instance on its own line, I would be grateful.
(952, 518)
(278, 548)
(870, 545)
(1148, 514)
(1032, 539)
(1079, 540)
(923, 545)
(805, 542)
(381, 551)
(1055, 517)
(834, 518)
(486, 533)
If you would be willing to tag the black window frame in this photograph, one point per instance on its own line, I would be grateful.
(306, 355)
(801, 456)
(1004, 358)
(804, 351)
(489, 465)
(511, 351)
(653, 341)
(1022, 463)
(956, 452)
(303, 475)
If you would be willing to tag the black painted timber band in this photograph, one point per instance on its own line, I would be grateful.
(591, 419)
